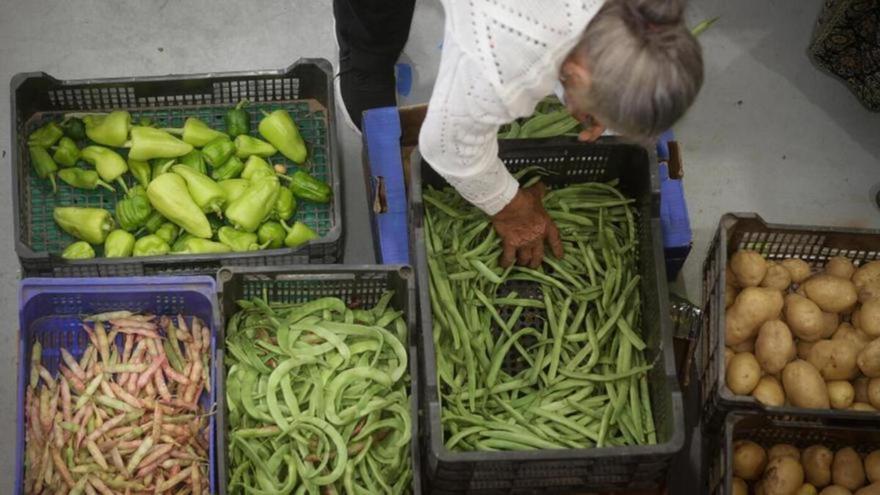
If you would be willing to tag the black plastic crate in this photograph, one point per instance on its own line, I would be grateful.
(305, 89)
(776, 242)
(769, 430)
(566, 470)
(360, 284)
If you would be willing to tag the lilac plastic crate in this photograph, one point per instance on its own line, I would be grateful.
(50, 311)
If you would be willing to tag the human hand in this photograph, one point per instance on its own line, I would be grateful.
(523, 226)
(591, 128)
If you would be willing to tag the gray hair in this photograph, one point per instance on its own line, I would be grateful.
(645, 66)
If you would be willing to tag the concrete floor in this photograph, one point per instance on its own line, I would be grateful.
(770, 133)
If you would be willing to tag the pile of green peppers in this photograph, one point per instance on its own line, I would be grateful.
(188, 190)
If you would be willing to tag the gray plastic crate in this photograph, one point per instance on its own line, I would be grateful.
(305, 89)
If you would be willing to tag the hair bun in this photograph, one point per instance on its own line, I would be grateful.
(657, 11)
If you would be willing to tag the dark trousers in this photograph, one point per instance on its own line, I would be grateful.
(371, 33)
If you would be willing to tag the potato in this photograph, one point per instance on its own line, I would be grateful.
(851, 334)
(798, 269)
(804, 386)
(774, 347)
(783, 476)
(835, 359)
(867, 274)
(832, 294)
(869, 359)
(784, 450)
(749, 460)
(840, 394)
(744, 346)
(817, 461)
(769, 392)
(743, 373)
(854, 319)
(830, 323)
(806, 489)
(847, 470)
(869, 318)
(872, 466)
(862, 406)
(804, 348)
(753, 306)
(730, 293)
(728, 355)
(759, 488)
(739, 487)
(840, 266)
(777, 277)
(869, 291)
(749, 267)
(730, 277)
(874, 392)
(804, 318)
(860, 385)
(835, 490)
(872, 489)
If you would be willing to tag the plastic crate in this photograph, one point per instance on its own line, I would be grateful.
(776, 242)
(769, 430)
(305, 89)
(566, 470)
(50, 312)
(361, 284)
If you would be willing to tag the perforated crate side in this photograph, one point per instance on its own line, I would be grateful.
(813, 244)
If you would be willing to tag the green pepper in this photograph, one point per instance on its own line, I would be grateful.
(216, 222)
(254, 206)
(256, 167)
(195, 132)
(119, 244)
(272, 234)
(150, 245)
(46, 135)
(229, 170)
(246, 146)
(43, 164)
(298, 234)
(66, 152)
(140, 170)
(79, 250)
(169, 196)
(205, 192)
(285, 205)
(195, 245)
(154, 221)
(304, 186)
(134, 210)
(218, 151)
(167, 232)
(160, 166)
(82, 179)
(148, 143)
(74, 128)
(146, 122)
(237, 120)
(87, 224)
(108, 163)
(238, 241)
(280, 130)
(195, 161)
(233, 188)
(108, 129)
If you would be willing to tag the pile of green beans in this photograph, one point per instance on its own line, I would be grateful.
(539, 359)
(318, 398)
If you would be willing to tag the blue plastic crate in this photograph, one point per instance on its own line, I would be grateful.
(50, 311)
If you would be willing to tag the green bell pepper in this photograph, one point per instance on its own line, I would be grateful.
(196, 132)
(246, 146)
(194, 160)
(108, 129)
(271, 234)
(218, 150)
(298, 234)
(46, 135)
(148, 143)
(229, 170)
(134, 210)
(256, 167)
(66, 153)
(151, 245)
(285, 205)
(169, 196)
(119, 244)
(205, 192)
(87, 224)
(82, 179)
(140, 170)
(280, 130)
(195, 245)
(43, 164)
(167, 232)
(237, 120)
(233, 188)
(108, 163)
(239, 242)
(304, 186)
(254, 206)
(74, 128)
(79, 250)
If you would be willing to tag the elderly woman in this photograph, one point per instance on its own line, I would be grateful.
(630, 65)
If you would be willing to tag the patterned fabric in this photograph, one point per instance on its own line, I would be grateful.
(847, 44)
(500, 58)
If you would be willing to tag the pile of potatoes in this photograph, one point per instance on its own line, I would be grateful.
(803, 339)
(816, 470)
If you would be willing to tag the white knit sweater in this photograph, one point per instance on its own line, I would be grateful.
(500, 58)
